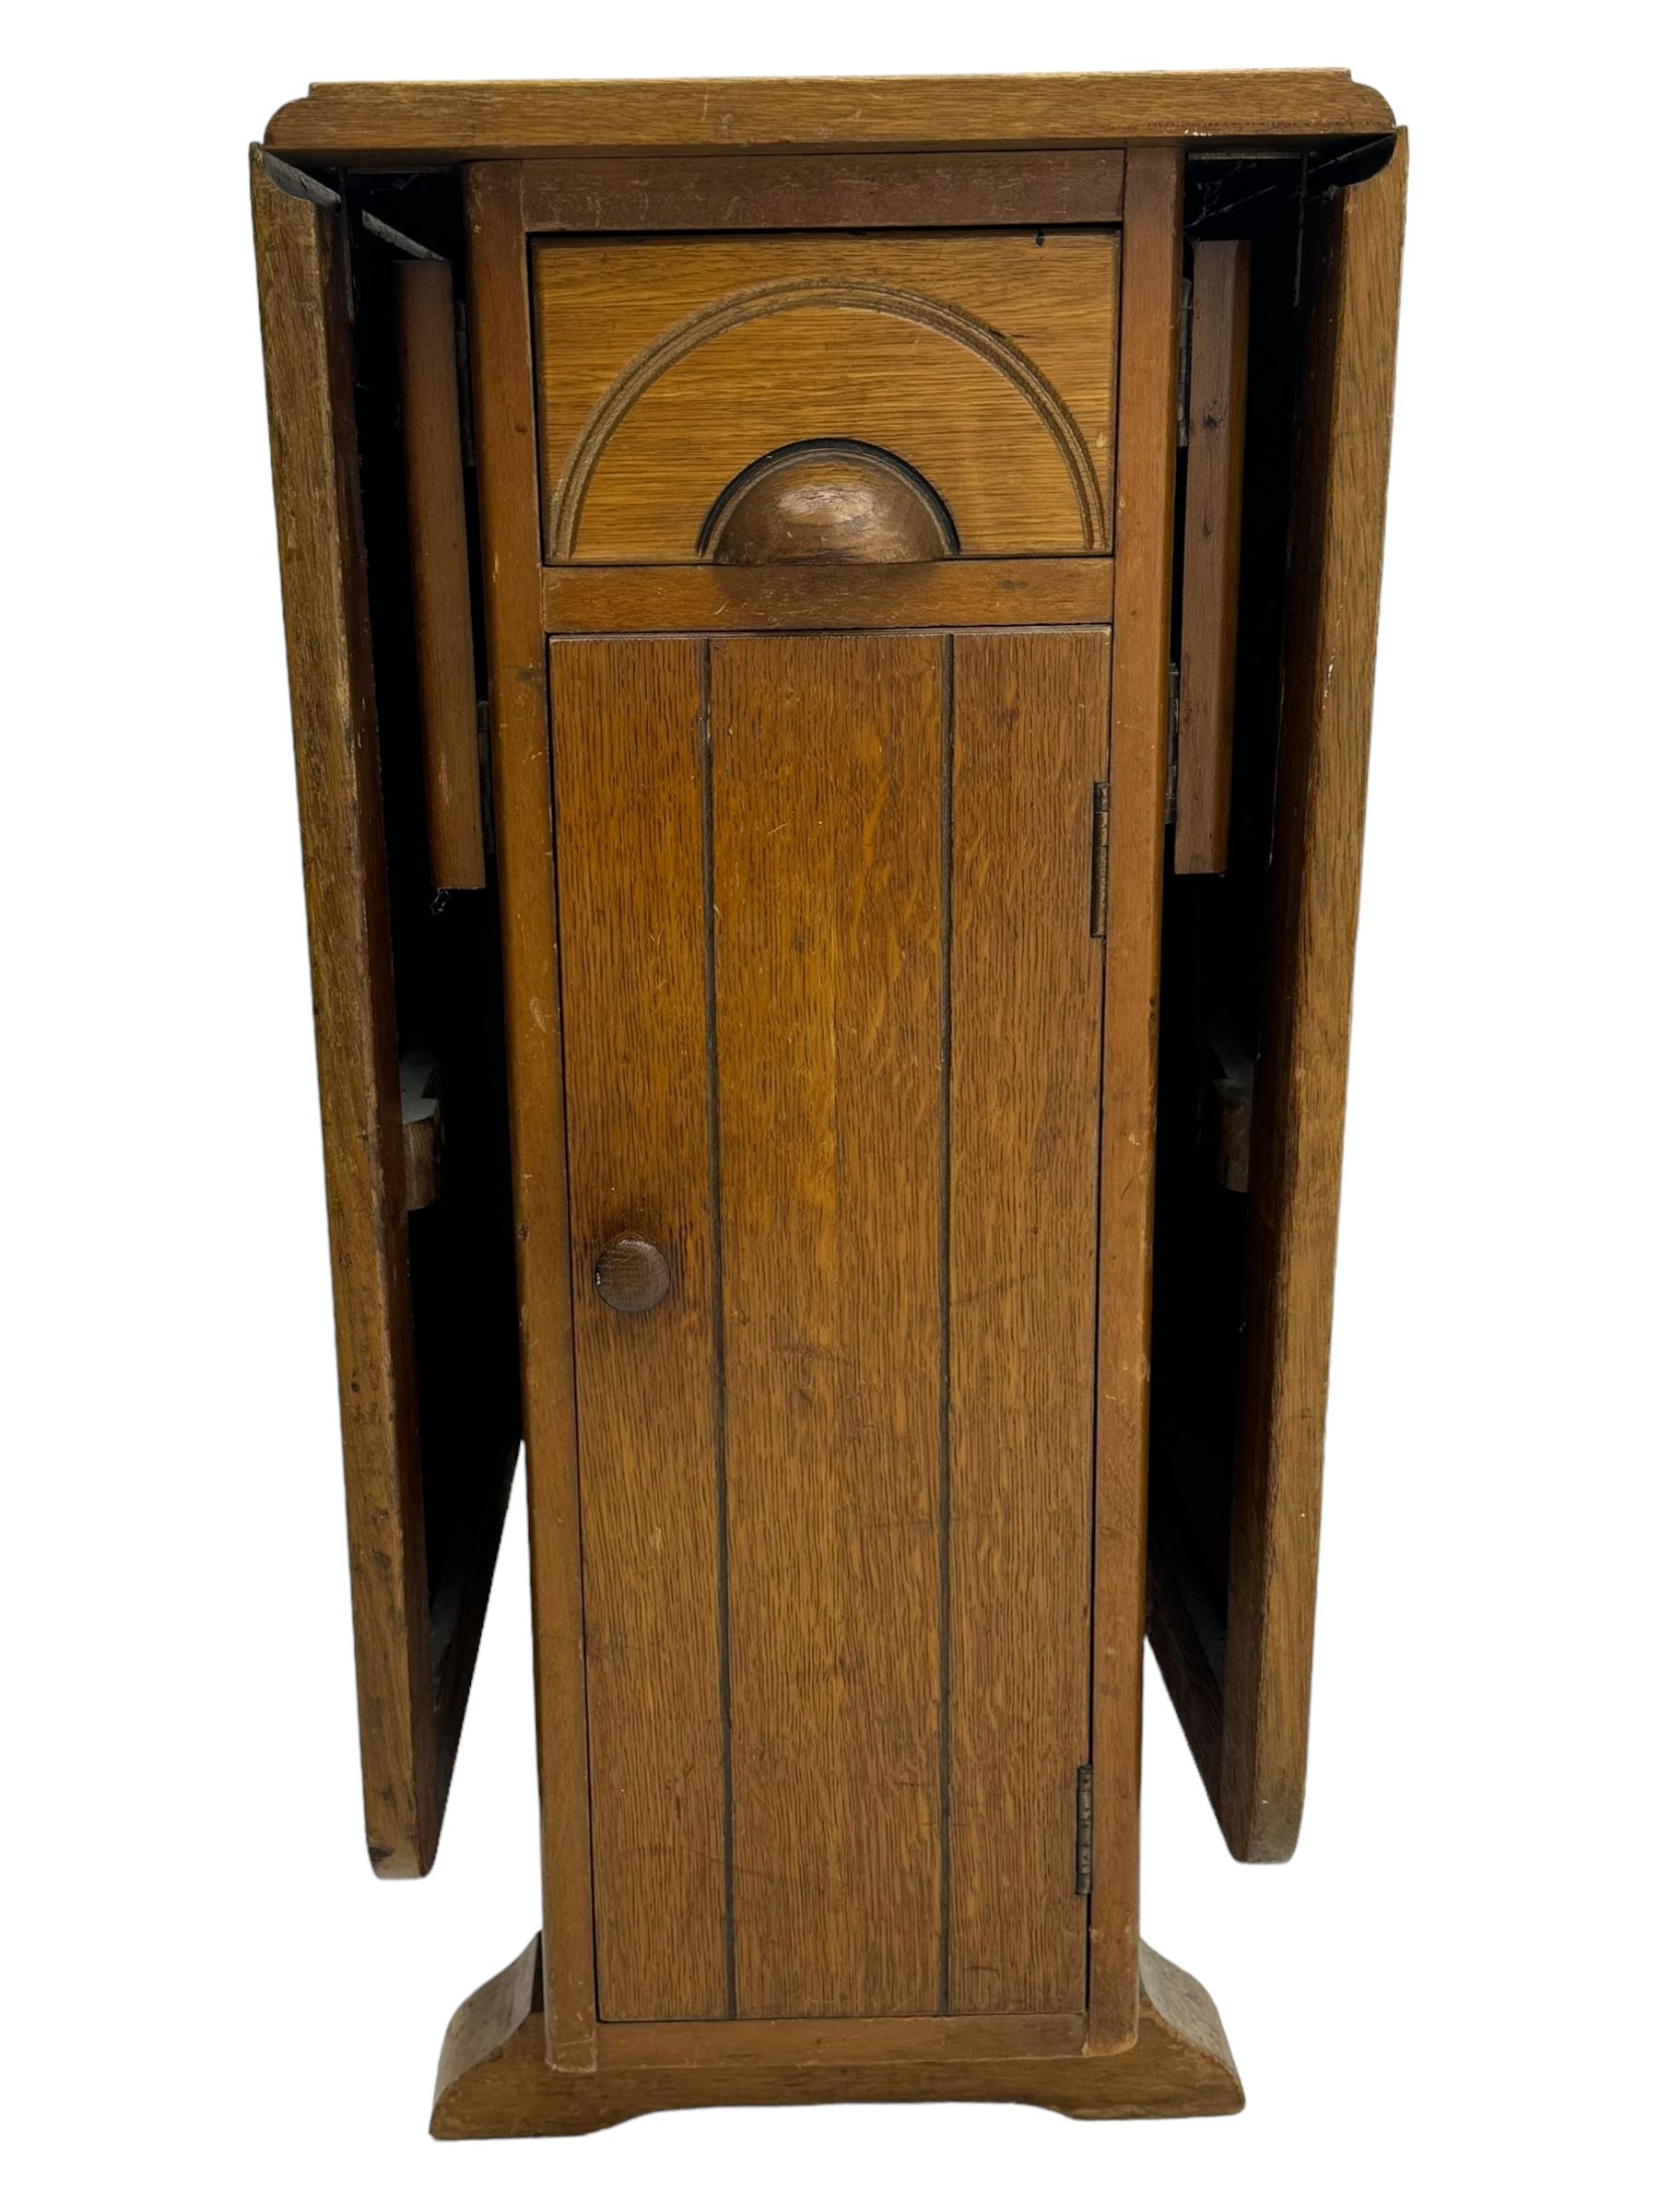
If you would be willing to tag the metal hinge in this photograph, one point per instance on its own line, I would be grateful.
(1085, 1862)
(1099, 846)
(1184, 355)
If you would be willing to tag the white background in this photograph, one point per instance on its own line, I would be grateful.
(207, 2000)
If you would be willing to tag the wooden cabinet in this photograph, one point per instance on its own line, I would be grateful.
(822, 516)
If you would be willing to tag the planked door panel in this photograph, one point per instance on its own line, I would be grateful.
(1026, 980)
(828, 764)
(833, 1020)
(627, 739)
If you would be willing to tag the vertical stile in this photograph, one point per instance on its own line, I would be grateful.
(504, 400)
(1145, 494)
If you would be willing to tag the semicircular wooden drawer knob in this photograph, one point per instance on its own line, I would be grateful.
(631, 1274)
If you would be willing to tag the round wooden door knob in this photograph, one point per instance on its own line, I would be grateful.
(631, 1275)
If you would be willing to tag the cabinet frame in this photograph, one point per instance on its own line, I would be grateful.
(501, 215)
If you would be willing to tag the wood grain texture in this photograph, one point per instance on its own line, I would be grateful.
(892, 2042)
(304, 285)
(826, 778)
(984, 360)
(493, 2081)
(440, 575)
(823, 191)
(830, 501)
(490, 121)
(1190, 1644)
(1025, 1091)
(1152, 211)
(1353, 276)
(504, 398)
(1209, 571)
(631, 1274)
(947, 594)
(627, 729)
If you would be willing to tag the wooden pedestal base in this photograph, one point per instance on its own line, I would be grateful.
(493, 2078)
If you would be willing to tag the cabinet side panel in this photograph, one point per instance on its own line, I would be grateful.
(1030, 743)
(827, 758)
(300, 240)
(628, 786)
(1353, 259)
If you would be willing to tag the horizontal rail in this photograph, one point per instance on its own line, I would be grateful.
(807, 2042)
(823, 191)
(643, 600)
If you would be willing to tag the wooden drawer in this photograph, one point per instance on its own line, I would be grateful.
(984, 362)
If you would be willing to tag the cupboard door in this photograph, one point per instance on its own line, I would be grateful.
(832, 1050)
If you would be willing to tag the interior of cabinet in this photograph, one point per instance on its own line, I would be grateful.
(1214, 930)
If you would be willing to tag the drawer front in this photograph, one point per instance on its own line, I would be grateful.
(982, 362)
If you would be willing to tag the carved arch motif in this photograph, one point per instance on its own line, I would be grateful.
(780, 297)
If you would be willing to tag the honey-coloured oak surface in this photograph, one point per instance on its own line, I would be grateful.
(504, 404)
(824, 192)
(428, 1415)
(985, 361)
(627, 746)
(300, 238)
(827, 765)
(440, 570)
(1355, 243)
(832, 1045)
(827, 490)
(493, 2081)
(1031, 747)
(1218, 348)
(1236, 1561)
(1146, 497)
(925, 594)
(375, 123)
(830, 499)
